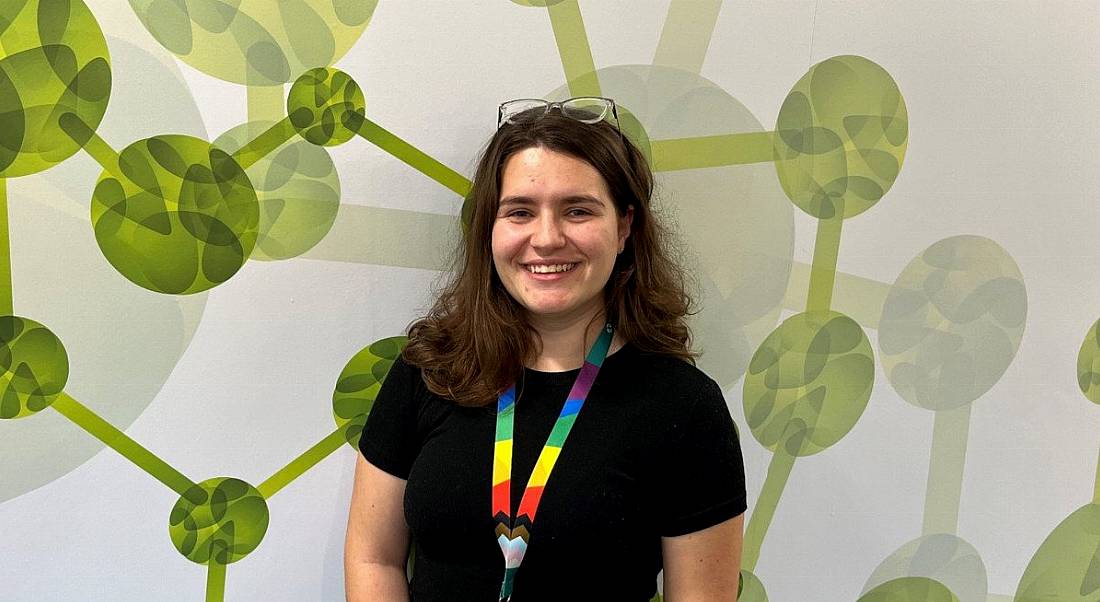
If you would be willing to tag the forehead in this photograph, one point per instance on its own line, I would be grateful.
(538, 172)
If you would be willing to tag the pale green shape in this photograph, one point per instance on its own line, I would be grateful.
(38, 86)
(326, 106)
(119, 377)
(819, 296)
(910, 589)
(841, 137)
(750, 588)
(952, 322)
(537, 3)
(1066, 567)
(35, 367)
(256, 42)
(573, 48)
(1088, 364)
(950, 436)
(734, 224)
(180, 217)
(942, 557)
(808, 383)
(298, 191)
(391, 237)
(686, 34)
(219, 520)
(359, 383)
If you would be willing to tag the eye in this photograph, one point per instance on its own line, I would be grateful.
(578, 212)
(518, 213)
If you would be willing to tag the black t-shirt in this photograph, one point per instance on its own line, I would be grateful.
(653, 452)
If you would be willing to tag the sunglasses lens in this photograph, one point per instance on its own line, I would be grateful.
(522, 111)
(587, 110)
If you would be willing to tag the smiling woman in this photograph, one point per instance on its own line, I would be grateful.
(564, 298)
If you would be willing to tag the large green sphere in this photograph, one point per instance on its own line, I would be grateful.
(952, 322)
(359, 383)
(808, 383)
(1066, 567)
(220, 520)
(298, 190)
(326, 106)
(910, 589)
(841, 137)
(256, 42)
(35, 365)
(179, 216)
(53, 62)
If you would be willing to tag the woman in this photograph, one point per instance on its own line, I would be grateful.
(562, 289)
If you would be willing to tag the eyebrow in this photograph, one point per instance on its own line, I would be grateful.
(583, 199)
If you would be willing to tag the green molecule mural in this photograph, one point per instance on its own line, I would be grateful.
(178, 216)
(53, 62)
(219, 521)
(808, 383)
(254, 42)
(35, 367)
(359, 383)
(1088, 364)
(326, 106)
(841, 137)
(298, 191)
(910, 589)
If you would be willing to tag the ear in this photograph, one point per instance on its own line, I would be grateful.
(625, 220)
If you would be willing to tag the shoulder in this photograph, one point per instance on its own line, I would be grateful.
(663, 372)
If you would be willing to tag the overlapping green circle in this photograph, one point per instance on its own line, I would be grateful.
(35, 365)
(326, 106)
(179, 216)
(1066, 567)
(750, 588)
(942, 557)
(298, 191)
(359, 384)
(256, 42)
(840, 137)
(910, 589)
(808, 383)
(952, 322)
(219, 520)
(53, 62)
(1088, 364)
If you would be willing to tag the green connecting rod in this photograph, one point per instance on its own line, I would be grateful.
(779, 471)
(121, 443)
(675, 154)
(945, 470)
(266, 143)
(576, 54)
(298, 466)
(823, 270)
(1096, 485)
(215, 580)
(6, 306)
(415, 158)
(686, 34)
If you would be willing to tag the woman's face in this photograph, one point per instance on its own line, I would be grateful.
(556, 234)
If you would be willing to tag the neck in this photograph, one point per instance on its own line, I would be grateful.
(566, 339)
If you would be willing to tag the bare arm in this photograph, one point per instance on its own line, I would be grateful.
(377, 544)
(704, 565)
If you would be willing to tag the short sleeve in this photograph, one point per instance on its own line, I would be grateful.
(390, 439)
(703, 481)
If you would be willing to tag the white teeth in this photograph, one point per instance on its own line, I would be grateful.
(550, 269)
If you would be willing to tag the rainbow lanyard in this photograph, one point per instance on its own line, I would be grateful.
(513, 537)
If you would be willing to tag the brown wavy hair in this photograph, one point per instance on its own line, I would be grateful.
(474, 341)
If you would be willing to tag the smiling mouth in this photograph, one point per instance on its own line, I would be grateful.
(550, 269)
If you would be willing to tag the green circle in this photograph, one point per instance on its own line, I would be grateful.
(910, 589)
(1088, 364)
(952, 322)
(256, 43)
(1064, 568)
(298, 191)
(359, 384)
(808, 383)
(221, 520)
(179, 216)
(35, 365)
(326, 106)
(841, 137)
(942, 557)
(750, 588)
(53, 63)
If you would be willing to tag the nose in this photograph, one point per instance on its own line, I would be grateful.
(548, 233)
